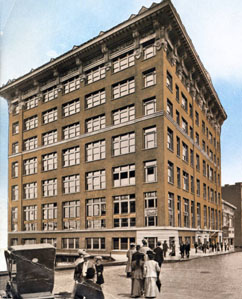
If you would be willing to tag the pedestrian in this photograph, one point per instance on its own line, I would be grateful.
(187, 249)
(82, 266)
(159, 254)
(87, 288)
(225, 246)
(145, 248)
(151, 273)
(195, 246)
(173, 249)
(129, 255)
(221, 245)
(165, 248)
(99, 270)
(137, 274)
(204, 247)
(218, 246)
(182, 249)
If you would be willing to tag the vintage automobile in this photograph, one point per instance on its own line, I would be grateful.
(31, 271)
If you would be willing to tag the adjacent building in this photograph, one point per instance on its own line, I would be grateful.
(233, 195)
(228, 211)
(117, 140)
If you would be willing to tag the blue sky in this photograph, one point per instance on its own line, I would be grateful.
(34, 31)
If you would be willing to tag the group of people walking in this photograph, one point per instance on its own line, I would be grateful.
(88, 276)
(143, 267)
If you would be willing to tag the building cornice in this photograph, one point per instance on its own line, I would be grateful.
(163, 18)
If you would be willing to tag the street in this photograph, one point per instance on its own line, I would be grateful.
(211, 277)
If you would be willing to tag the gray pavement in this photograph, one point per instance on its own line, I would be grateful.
(217, 276)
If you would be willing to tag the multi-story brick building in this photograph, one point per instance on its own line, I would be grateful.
(116, 140)
(233, 195)
(228, 212)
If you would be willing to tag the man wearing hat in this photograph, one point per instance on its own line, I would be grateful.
(81, 265)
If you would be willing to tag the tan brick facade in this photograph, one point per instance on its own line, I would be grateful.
(136, 178)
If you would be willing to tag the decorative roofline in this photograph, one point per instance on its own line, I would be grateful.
(145, 14)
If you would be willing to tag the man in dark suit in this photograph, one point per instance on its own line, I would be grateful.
(159, 254)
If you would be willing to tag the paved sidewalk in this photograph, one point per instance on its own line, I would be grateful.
(122, 259)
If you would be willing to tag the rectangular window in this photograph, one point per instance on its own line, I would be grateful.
(177, 94)
(71, 156)
(49, 116)
(95, 150)
(184, 102)
(16, 108)
(70, 243)
(30, 190)
(150, 208)
(51, 241)
(186, 213)
(197, 162)
(171, 211)
(14, 193)
(95, 212)
(49, 161)
(71, 184)
(30, 166)
(123, 62)
(203, 126)
(191, 110)
(204, 167)
(31, 102)
(49, 211)
(170, 172)
(149, 50)
(197, 138)
(49, 187)
(15, 128)
(15, 147)
(179, 210)
(198, 214)
(196, 118)
(124, 205)
(14, 169)
(96, 74)
(203, 145)
(184, 152)
(178, 146)
(71, 215)
(123, 144)
(178, 172)
(71, 131)
(96, 180)
(204, 191)
(71, 85)
(71, 108)
(149, 106)
(149, 78)
(150, 137)
(50, 94)
(205, 217)
(49, 137)
(123, 115)
(123, 88)
(14, 219)
(168, 80)
(169, 108)
(192, 184)
(191, 157)
(170, 139)
(30, 213)
(95, 243)
(31, 123)
(178, 118)
(184, 125)
(30, 143)
(96, 123)
(185, 181)
(191, 132)
(150, 168)
(122, 243)
(95, 99)
(124, 175)
(198, 187)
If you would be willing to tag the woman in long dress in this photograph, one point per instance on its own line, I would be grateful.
(151, 273)
(137, 275)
